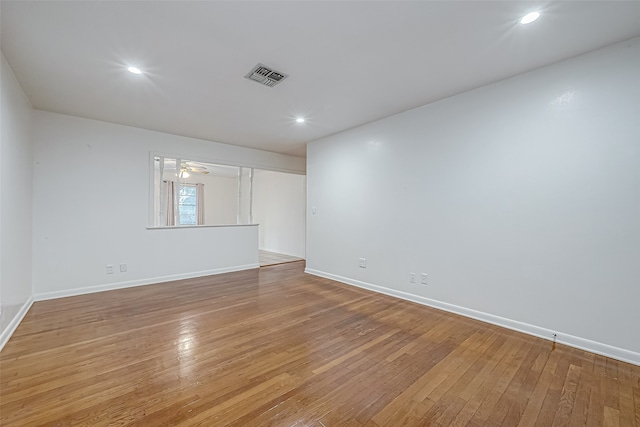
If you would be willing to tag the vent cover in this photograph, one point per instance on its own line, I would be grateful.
(265, 75)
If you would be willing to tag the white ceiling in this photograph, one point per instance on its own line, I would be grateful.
(349, 62)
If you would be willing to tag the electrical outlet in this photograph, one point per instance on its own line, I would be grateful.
(412, 277)
(109, 269)
(363, 263)
(123, 268)
(424, 279)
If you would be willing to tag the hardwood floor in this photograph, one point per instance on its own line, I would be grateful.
(276, 347)
(272, 258)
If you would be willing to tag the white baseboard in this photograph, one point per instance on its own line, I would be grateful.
(132, 283)
(548, 334)
(11, 327)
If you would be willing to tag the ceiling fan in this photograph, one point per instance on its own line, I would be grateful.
(188, 168)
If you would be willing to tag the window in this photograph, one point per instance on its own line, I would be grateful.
(188, 204)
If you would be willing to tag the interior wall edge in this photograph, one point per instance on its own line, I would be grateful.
(43, 296)
(602, 349)
(15, 322)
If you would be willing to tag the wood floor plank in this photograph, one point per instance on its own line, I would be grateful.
(636, 402)
(580, 412)
(450, 369)
(596, 400)
(610, 384)
(474, 401)
(495, 389)
(567, 396)
(627, 415)
(437, 353)
(275, 346)
(409, 414)
(511, 402)
(611, 417)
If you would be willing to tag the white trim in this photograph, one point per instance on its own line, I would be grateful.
(132, 283)
(11, 327)
(547, 334)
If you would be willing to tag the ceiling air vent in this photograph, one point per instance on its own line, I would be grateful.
(265, 75)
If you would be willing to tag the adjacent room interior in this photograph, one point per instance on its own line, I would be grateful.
(320, 213)
(207, 194)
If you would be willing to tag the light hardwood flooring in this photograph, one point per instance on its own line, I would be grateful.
(276, 347)
(273, 258)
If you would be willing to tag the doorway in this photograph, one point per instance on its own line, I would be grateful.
(279, 207)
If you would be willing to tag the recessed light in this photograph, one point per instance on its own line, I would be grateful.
(134, 70)
(300, 120)
(530, 17)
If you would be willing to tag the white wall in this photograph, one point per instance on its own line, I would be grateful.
(521, 200)
(16, 160)
(279, 207)
(85, 216)
(220, 199)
